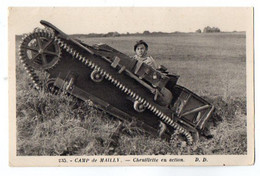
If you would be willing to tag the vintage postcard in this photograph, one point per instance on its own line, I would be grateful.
(131, 86)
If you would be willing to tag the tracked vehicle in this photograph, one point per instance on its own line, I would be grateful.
(118, 84)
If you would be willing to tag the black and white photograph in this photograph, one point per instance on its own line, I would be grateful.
(131, 86)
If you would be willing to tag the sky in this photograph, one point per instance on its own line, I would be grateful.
(122, 20)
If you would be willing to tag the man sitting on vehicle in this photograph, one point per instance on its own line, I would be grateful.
(141, 48)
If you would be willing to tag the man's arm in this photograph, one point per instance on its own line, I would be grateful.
(150, 61)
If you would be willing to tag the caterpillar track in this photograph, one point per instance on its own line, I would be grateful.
(110, 79)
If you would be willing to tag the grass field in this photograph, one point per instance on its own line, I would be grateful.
(211, 65)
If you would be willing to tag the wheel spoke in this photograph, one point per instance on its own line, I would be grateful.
(50, 52)
(44, 60)
(35, 56)
(48, 44)
(30, 48)
(38, 61)
(39, 42)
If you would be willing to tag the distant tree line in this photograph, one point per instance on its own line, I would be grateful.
(117, 34)
(146, 32)
(209, 29)
(198, 31)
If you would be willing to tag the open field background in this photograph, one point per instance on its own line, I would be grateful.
(211, 65)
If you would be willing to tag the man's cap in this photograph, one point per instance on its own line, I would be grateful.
(139, 43)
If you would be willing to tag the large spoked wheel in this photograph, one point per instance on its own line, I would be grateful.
(40, 51)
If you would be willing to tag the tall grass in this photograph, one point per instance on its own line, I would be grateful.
(59, 125)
